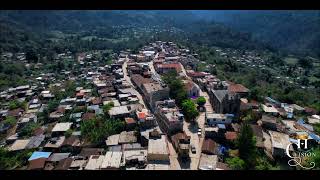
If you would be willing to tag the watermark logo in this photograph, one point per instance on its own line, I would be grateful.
(302, 148)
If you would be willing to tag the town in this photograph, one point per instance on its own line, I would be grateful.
(148, 110)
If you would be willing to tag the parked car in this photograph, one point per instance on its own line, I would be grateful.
(199, 132)
(193, 149)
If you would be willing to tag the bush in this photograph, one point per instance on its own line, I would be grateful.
(236, 163)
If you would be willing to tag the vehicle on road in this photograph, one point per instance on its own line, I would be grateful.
(193, 149)
(199, 132)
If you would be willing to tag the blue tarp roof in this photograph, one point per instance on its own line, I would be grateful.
(39, 154)
(222, 149)
(272, 100)
(314, 136)
(221, 126)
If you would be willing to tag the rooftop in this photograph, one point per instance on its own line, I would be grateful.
(112, 159)
(94, 162)
(158, 146)
(61, 127)
(152, 87)
(113, 140)
(220, 94)
(127, 137)
(279, 140)
(208, 162)
(118, 110)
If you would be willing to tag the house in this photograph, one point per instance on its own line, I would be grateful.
(192, 88)
(158, 148)
(55, 143)
(94, 162)
(19, 144)
(64, 164)
(230, 136)
(168, 116)
(269, 109)
(207, 162)
(214, 119)
(22, 144)
(71, 144)
(135, 158)
(154, 92)
(210, 147)
(60, 128)
(87, 152)
(55, 158)
(269, 122)
(112, 160)
(37, 164)
(181, 143)
(127, 137)
(130, 123)
(145, 119)
(279, 143)
(26, 118)
(165, 68)
(120, 112)
(78, 164)
(39, 154)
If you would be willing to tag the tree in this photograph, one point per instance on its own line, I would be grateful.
(10, 120)
(246, 144)
(236, 163)
(31, 56)
(28, 129)
(68, 133)
(315, 159)
(201, 101)
(305, 63)
(97, 130)
(189, 110)
(107, 107)
(263, 164)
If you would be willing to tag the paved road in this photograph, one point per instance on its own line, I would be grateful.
(192, 130)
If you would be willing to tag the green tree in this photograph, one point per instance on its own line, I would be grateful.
(28, 130)
(189, 110)
(10, 120)
(68, 133)
(246, 144)
(201, 101)
(263, 164)
(97, 130)
(107, 107)
(236, 163)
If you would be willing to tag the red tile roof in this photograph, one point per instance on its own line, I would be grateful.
(130, 121)
(231, 135)
(176, 66)
(196, 74)
(141, 115)
(37, 163)
(237, 88)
